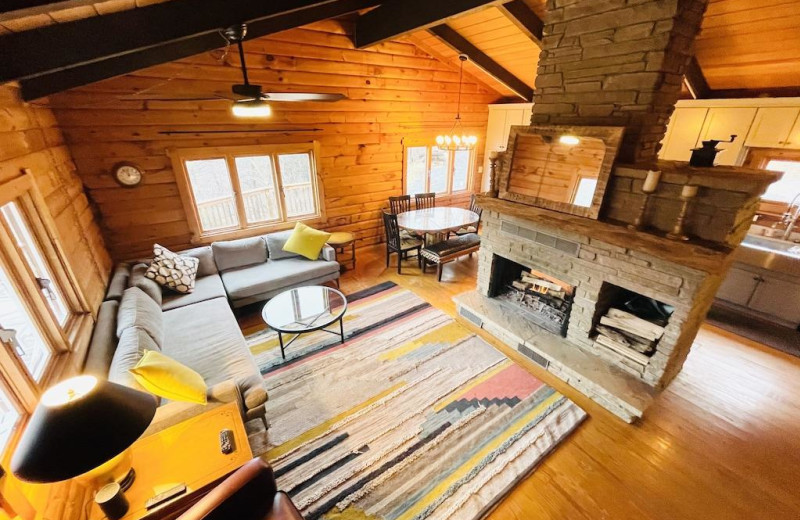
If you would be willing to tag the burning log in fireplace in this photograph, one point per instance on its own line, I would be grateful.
(548, 303)
(628, 336)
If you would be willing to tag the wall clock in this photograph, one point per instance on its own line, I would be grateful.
(128, 175)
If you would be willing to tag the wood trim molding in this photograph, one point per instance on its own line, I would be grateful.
(696, 81)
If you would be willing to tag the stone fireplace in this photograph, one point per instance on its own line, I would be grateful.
(626, 302)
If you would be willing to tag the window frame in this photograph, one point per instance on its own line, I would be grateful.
(759, 158)
(64, 340)
(473, 154)
(179, 156)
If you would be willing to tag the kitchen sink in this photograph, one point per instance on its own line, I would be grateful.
(770, 253)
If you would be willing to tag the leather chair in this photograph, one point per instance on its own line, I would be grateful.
(250, 493)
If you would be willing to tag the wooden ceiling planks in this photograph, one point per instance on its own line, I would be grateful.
(750, 45)
(495, 34)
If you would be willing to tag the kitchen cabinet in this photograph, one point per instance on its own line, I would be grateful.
(738, 286)
(772, 127)
(767, 293)
(501, 118)
(682, 134)
(720, 123)
(793, 141)
(776, 297)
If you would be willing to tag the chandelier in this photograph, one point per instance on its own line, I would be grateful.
(457, 139)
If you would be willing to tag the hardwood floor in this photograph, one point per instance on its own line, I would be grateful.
(722, 442)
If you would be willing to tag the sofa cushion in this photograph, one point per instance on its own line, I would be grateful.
(118, 282)
(139, 310)
(150, 287)
(104, 340)
(306, 241)
(132, 344)
(274, 274)
(239, 253)
(213, 347)
(165, 377)
(275, 243)
(173, 271)
(205, 256)
(205, 288)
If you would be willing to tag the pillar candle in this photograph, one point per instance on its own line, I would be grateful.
(688, 191)
(651, 182)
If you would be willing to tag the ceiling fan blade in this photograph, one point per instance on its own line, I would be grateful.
(301, 96)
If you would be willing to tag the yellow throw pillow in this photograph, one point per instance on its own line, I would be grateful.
(167, 378)
(306, 241)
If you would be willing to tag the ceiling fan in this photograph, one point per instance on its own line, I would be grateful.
(250, 100)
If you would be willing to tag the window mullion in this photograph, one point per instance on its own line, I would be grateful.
(24, 389)
(279, 191)
(238, 198)
(428, 168)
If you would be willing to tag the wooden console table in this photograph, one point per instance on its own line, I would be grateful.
(188, 453)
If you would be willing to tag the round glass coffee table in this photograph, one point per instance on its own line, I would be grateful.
(305, 309)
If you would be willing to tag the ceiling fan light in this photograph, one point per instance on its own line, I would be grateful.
(251, 108)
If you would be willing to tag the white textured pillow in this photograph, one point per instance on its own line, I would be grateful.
(172, 270)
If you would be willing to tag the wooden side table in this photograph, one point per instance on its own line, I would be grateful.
(188, 453)
(340, 241)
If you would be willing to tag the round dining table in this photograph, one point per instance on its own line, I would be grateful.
(437, 221)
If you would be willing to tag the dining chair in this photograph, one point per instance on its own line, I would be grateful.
(400, 204)
(473, 207)
(395, 243)
(249, 493)
(425, 200)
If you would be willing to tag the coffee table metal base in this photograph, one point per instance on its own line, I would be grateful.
(340, 333)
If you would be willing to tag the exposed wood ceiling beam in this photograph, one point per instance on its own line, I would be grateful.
(696, 81)
(59, 81)
(525, 19)
(461, 45)
(60, 46)
(396, 18)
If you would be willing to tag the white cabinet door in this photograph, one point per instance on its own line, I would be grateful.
(720, 123)
(514, 117)
(682, 133)
(772, 126)
(777, 297)
(738, 286)
(793, 141)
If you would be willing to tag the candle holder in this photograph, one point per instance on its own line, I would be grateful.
(648, 188)
(494, 157)
(688, 193)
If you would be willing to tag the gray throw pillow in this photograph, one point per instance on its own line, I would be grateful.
(139, 310)
(275, 243)
(206, 267)
(239, 253)
(150, 287)
(130, 349)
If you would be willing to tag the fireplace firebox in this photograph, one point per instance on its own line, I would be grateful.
(546, 300)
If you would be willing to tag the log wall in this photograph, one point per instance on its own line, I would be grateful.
(30, 138)
(395, 92)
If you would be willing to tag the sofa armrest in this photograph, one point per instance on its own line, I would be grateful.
(174, 412)
(328, 253)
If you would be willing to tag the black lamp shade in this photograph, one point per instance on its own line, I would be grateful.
(69, 439)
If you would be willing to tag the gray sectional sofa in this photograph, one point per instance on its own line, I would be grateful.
(199, 329)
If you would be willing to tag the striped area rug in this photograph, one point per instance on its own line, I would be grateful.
(414, 417)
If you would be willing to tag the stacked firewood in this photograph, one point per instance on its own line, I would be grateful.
(627, 335)
(550, 293)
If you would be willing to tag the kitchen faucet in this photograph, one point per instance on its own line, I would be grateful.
(790, 217)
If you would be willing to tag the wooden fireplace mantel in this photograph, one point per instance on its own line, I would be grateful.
(703, 258)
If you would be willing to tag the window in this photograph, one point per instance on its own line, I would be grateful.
(432, 169)
(584, 191)
(226, 190)
(42, 311)
(788, 186)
